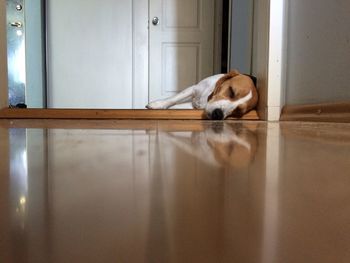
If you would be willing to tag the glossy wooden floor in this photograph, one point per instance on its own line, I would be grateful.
(174, 191)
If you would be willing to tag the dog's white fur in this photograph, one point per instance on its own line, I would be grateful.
(199, 94)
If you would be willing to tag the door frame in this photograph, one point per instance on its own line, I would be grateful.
(269, 67)
(3, 56)
(277, 58)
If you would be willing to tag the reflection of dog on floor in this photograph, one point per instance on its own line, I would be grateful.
(223, 144)
(221, 96)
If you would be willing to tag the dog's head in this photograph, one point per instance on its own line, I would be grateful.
(234, 95)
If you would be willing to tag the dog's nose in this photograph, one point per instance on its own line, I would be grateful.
(217, 114)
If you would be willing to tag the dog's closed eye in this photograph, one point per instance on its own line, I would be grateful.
(231, 93)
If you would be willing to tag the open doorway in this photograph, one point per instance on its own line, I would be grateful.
(93, 60)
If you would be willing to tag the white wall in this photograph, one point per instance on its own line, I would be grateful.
(318, 56)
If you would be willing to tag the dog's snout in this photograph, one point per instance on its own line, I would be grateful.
(217, 114)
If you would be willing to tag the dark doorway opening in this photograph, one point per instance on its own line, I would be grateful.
(225, 35)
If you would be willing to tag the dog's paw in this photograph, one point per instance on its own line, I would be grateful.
(157, 105)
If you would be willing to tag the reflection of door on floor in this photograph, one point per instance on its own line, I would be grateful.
(98, 53)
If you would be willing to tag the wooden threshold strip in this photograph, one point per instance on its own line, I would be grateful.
(327, 112)
(110, 114)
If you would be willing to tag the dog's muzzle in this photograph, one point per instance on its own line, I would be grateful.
(217, 114)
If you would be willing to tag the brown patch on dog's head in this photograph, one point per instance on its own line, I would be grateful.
(219, 83)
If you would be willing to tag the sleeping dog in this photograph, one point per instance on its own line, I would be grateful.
(221, 96)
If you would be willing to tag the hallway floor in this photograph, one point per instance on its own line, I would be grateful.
(174, 191)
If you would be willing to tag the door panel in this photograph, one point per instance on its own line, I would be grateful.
(189, 14)
(90, 53)
(16, 52)
(187, 73)
(181, 45)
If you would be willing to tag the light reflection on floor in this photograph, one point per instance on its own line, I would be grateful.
(19, 174)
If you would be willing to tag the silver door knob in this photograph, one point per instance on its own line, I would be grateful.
(19, 7)
(155, 21)
(16, 24)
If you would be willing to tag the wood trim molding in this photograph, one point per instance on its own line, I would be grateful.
(105, 114)
(326, 112)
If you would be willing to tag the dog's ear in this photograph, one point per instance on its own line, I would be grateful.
(230, 75)
(254, 79)
(227, 76)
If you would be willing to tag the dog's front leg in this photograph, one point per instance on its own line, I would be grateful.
(184, 96)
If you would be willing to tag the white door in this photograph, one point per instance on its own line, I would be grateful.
(98, 50)
(90, 53)
(181, 44)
